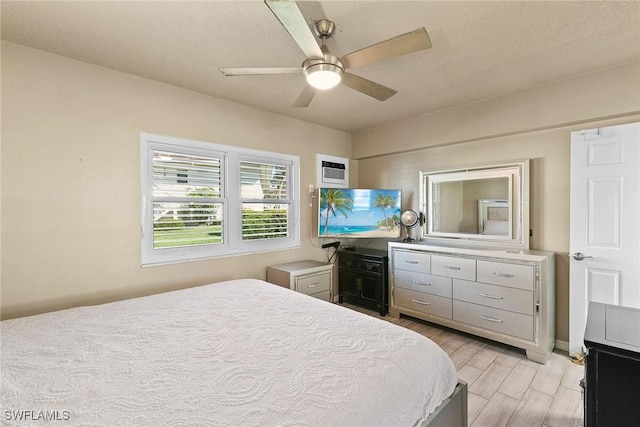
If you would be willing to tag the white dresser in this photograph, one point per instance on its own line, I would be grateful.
(506, 296)
(310, 277)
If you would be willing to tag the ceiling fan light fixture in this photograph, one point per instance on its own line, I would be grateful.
(323, 79)
(323, 74)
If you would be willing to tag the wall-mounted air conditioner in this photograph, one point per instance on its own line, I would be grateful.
(333, 172)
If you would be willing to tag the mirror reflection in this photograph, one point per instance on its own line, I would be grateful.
(478, 206)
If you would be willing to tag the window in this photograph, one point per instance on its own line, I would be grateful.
(203, 200)
(265, 200)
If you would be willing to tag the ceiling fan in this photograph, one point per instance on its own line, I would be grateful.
(324, 70)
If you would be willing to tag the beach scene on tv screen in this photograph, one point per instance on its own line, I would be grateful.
(368, 213)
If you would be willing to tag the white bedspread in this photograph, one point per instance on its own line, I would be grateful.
(236, 353)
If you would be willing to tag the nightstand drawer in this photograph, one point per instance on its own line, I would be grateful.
(502, 297)
(423, 303)
(458, 268)
(420, 282)
(313, 283)
(324, 295)
(412, 261)
(505, 274)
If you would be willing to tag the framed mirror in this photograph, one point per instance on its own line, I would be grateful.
(482, 205)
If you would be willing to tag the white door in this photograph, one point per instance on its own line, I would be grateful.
(605, 222)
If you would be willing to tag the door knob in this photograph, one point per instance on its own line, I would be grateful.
(579, 256)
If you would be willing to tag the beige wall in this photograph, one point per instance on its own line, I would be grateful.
(607, 94)
(534, 124)
(71, 179)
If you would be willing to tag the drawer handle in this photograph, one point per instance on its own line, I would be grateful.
(417, 301)
(482, 294)
(411, 262)
(503, 274)
(490, 319)
(452, 267)
(421, 283)
(313, 285)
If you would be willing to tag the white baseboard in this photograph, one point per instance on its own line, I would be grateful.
(562, 345)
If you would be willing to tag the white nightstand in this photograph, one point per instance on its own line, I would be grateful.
(313, 278)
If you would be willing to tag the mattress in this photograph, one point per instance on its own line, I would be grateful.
(235, 353)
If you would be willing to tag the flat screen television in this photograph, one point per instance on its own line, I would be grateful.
(359, 213)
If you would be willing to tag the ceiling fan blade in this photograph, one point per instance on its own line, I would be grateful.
(305, 97)
(401, 45)
(373, 89)
(231, 71)
(289, 15)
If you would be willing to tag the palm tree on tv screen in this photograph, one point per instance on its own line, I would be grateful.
(384, 201)
(333, 200)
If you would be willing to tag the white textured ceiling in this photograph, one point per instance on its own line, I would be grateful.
(480, 49)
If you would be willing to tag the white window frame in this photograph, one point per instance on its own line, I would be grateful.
(232, 244)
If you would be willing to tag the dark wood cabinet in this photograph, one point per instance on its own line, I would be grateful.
(362, 278)
(612, 366)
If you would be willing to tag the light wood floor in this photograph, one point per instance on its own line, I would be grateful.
(505, 388)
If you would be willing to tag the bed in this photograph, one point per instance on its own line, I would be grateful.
(493, 217)
(234, 353)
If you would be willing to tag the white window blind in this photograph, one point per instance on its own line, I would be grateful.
(203, 200)
(265, 200)
(187, 205)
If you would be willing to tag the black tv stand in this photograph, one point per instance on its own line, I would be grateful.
(363, 278)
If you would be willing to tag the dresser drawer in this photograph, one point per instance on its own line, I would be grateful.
(510, 299)
(458, 268)
(412, 261)
(421, 282)
(504, 274)
(423, 303)
(313, 283)
(505, 322)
